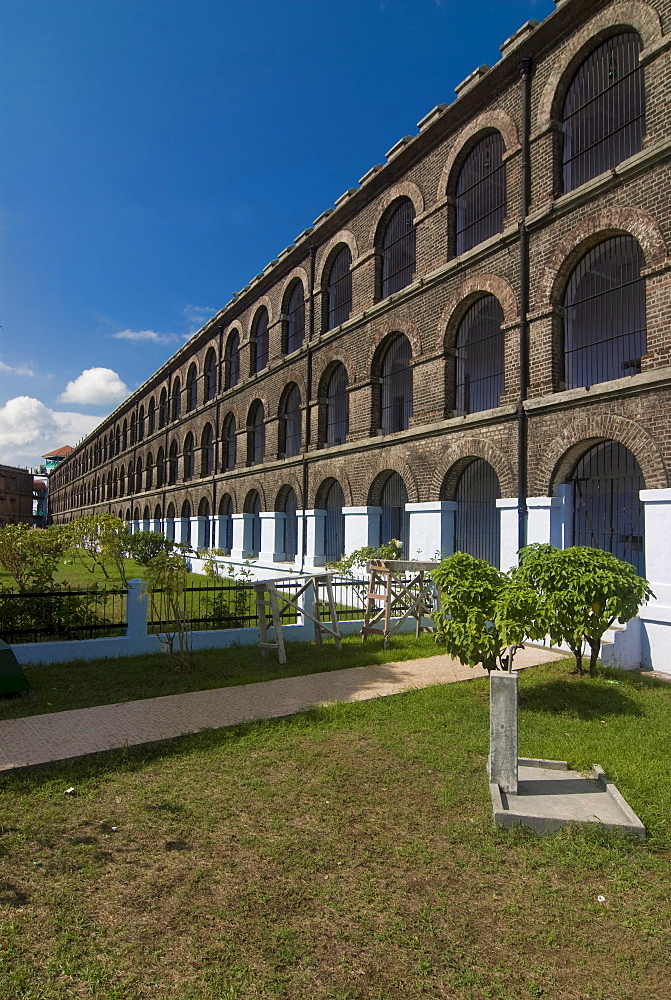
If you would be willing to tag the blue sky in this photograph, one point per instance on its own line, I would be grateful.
(158, 153)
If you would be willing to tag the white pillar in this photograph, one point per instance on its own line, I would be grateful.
(507, 507)
(272, 545)
(313, 522)
(198, 526)
(431, 529)
(136, 610)
(238, 551)
(156, 525)
(656, 614)
(546, 521)
(362, 527)
(135, 526)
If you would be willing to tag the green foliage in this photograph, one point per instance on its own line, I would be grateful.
(31, 555)
(105, 538)
(55, 615)
(230, 608)
(358, 559)
(483, 612)
(143, 546)
(581, 593)
(166, 579)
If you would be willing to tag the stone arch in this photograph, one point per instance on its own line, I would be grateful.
(375, 478)
(292, 376)
(291, 483)
(594, 229)
(298, 274)
(328, 361)
(253, 312)
(457, 457)
(625, 14)
(474, 287)
(254, 486)
(580, 434)
(495, 120)
(228, 490)
(404, 189)
(384, 332)
(328, 252)
(336, 471)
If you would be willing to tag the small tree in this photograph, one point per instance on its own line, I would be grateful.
(143, 546)
(484, 614)
(104, 538)
(581, 592)
(360, 557)
(166, 577)
(31, 555)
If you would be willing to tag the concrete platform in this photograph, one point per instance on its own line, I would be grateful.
(549, 796)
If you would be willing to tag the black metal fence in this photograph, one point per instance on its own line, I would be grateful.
(56, 615)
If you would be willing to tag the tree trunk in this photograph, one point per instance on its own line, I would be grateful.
(578, 659)
(595, 647)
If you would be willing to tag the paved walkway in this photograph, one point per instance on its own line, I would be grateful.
(38, 739)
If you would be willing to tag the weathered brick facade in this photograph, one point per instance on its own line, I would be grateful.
(632, 198)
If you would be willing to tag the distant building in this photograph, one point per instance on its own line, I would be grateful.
(40, 493)
(16, 495)
(54, 458)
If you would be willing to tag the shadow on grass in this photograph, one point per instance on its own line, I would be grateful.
(582, 699)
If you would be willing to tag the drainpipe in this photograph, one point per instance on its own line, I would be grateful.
(526, 69)
(308, 390)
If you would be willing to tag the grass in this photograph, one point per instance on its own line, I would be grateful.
(58, 687)
(343, 854)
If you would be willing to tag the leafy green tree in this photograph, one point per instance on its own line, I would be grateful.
(143, 546)
(166, 579)
(31, 555)
(360, 557)
(104, 538)
(484, 614)
(581, 592)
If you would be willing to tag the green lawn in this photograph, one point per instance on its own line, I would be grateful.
(83, 683)
(343, 854)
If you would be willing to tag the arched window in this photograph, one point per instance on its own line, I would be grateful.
(186, 522)
(132, 429)
(394, 522)
(260, 342)
(160, 467)
(295, 321)
(604, 314)
(117, 441)
(138, 475)
(477, 519)
(232, 360)
(253, 528)
(157, 517)
(398, 249)
(481, 193)
(207, 451)
(607, 511)
(191, 388)
(210, 375)
(334, 528)
(151, 416)
(479, 348)
(124, 436)
(140, 425)
(337, 407)
(170, 523)
(150, 471)
(115, 486)
(290, 543)
(396, 386)
(338, 303)
(176, 398)
(229, 443)
(604, 110)
(204, 524)
(163, 409)
(290, 423)
(189, 461)
(256, 434)
(226, 523)
(122, 481)
(131, 479)
(172, 464)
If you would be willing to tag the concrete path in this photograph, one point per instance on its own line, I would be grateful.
(38, 739)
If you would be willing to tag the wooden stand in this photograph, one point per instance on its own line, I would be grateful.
(387, 587)
(268, 597)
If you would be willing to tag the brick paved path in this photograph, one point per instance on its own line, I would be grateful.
(38, 739)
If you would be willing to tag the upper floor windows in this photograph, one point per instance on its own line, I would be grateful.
(396, 385)
(232, 360)
(337, 407)
(189, 462)
(260, 343)
(151, 416)
(172, 464)
(604, 314)
(163, 409)
(479, 349)
(604, 110)
(229, 441)
(191, 388)
(176, 399)
(480, 203)
(290, 423)
(398, 249)
(210, 375)
(256, 434)
(207, 451)
(338, 303)
(295, 321)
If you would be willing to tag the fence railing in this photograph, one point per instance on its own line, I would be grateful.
(62, 614)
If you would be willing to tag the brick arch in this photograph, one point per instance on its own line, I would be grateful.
(456, 458)
(254, 484)
(231, 409)
(263, 400)
(625, 14)
(250, 319)
(338, 475)
(405, 189)
(594, 229)
(469, 290)
(228, 491)
(331, 358)
(495, 120)
(389, 462)
(291, 483)
(580, 434)
(295, 377)
(384, 332)
(299, 273)
(327, 252)
(208, 498)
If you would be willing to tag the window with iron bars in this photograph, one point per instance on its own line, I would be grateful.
(337, 406)
(295, 321)
(256, 435)
(339, 289)
(398, 249)
(479, 362)
(394, 521)
(396, 386)
(260, 342)
(481, 194)
(290, 423)
(233, 360)
(477, 529)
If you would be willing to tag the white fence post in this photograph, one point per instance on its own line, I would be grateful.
(137, 605)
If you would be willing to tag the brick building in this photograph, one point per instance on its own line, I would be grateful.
(470, 350)
(16, 495)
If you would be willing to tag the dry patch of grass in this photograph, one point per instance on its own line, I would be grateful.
(343, 854)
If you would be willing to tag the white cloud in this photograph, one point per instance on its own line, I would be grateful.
(95, 385)
(21, 370)
(198, 315)
(146, 335)
(29, 429)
